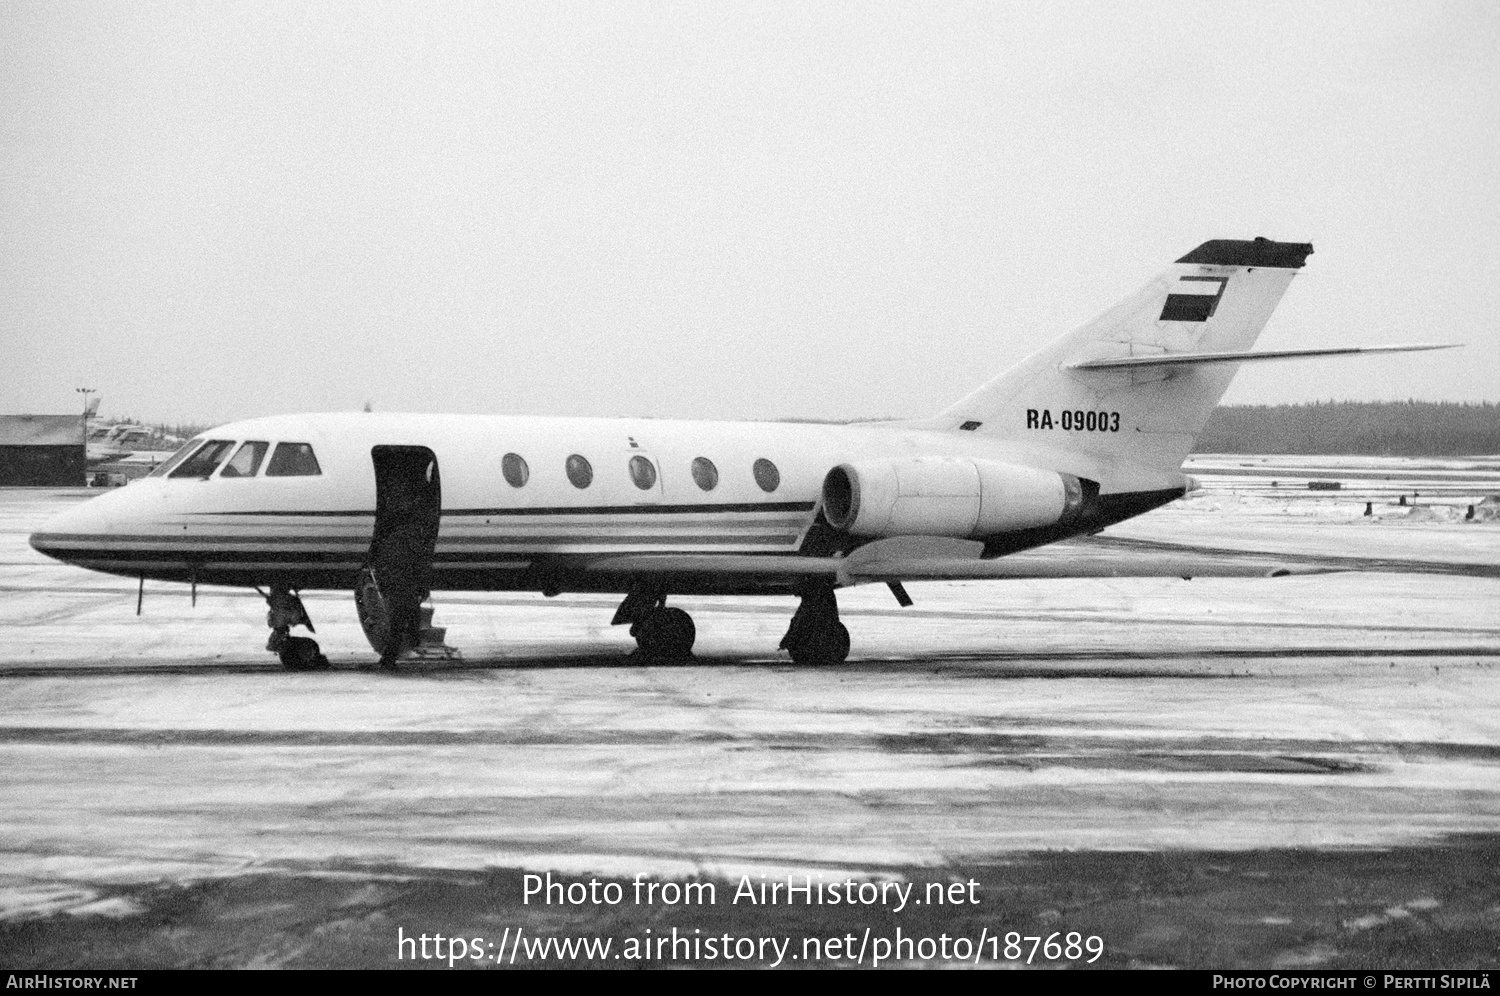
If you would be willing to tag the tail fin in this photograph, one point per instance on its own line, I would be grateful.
(1216, 299)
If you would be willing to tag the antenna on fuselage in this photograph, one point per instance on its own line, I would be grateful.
(140, 595)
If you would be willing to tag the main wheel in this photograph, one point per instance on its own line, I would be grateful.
(667, 632)
(823, 645)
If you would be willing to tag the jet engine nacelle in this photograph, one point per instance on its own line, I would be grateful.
(945, 496)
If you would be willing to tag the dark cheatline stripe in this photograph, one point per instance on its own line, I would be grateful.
(628, 539)
(215, 545)
(295, 512)
(93, 540)
(215, 564)
(624, 540)
(96, 540)
(310, 557)
(782, 506)
(185, 554)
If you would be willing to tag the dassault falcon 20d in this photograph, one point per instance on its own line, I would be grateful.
(1087, 432)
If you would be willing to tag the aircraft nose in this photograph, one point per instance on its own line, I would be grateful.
(67, 535)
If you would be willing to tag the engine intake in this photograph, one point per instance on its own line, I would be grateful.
(960, 497)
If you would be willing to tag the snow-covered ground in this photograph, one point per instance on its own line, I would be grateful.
(989, 718)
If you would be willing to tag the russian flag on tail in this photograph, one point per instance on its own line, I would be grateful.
(1193, 299)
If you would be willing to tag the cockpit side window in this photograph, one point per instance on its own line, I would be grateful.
(293, 460)
(205, 460)
(176, 458)
(247, 461)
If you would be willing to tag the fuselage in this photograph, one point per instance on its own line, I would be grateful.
(651, 486)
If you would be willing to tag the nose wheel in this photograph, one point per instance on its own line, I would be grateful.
(297, 653)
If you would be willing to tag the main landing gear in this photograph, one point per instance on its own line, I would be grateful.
(297, 653)
(660, 631)
(816, 636)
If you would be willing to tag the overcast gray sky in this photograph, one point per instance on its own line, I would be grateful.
(715, 210)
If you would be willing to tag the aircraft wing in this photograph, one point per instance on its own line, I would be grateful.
(1049, 563)
(920, 558)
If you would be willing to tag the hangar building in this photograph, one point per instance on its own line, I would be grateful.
(41, 450)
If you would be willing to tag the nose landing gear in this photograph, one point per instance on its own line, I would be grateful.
(297, 653)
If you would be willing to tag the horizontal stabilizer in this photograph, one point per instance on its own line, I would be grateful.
(1199, 359)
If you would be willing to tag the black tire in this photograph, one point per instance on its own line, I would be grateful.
(820, 647)
(298, 653)
(839, 646)
(679, 632)
(666, 633)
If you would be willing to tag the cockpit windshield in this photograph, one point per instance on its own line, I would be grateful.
(203, 462)
(176, 458)
(293, 460)
(247, 461)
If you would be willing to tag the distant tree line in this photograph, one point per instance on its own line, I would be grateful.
(1376, 428)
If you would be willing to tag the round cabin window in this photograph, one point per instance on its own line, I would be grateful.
(513, 466)
(705, 473)
(643, 473)
(766, 475)
(579, 471)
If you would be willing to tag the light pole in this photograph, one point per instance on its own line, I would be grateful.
(85, 391)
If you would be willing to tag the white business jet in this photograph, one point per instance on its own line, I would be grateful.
(1087, 432)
